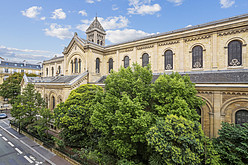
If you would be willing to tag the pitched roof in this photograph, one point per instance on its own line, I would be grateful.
(95, 25)
(209, 77)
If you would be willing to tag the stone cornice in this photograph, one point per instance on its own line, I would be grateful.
(126, 50)
(145, 47)
(194, 38)
(168, 43)
(233, 31)
(235, 93)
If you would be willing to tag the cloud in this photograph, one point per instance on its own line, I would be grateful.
(59, 31)
(115, 7)
(115, 22)
(176, 2)
(188, 26)
(143, 7)
(118, 36)
(15, 54)
(82, 12)
(43, 18)
(92, 1)
(226, 3)
(58, 14)
(32, 12)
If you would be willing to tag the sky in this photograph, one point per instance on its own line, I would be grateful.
(37, 30)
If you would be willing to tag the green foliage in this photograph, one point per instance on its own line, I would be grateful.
(27, 106)
(11, 88)
(177, 141)
(232, 144)
(72, 117)
(174, 94)
(122, 112)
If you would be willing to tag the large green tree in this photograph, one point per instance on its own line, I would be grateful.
(73, 117)
(11, 88)
(27, 106)
(177, 140)
(232, 144)
(130, 105)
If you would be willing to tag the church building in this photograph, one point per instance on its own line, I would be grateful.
(213, 54)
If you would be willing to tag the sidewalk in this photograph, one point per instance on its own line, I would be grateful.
(35, 146)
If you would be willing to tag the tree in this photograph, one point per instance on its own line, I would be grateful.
(73, 116)
(27, 106)
(232, 144)
(175, 94)
(11, 88)
(177, 140)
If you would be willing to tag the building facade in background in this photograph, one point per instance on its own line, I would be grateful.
(213, 54)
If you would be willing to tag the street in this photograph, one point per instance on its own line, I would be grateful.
(16, 149)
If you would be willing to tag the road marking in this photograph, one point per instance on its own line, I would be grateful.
(12, 145)
(29, 160)
(0, 134)
(31, 157)
(4, 138)
(20, 152)
(49, 161)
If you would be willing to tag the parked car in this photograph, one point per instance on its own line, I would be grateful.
(3, 115)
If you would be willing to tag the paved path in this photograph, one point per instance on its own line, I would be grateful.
(17, 149)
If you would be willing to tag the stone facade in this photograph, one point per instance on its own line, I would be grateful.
(224, 93)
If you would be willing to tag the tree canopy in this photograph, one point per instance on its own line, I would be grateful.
(72, 116)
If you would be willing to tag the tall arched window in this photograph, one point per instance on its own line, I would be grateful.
(235, 53)
(59, 69)
(97, 65)
(71, 66)
(47, 72)
(145, 60)
(168, 60)
(126, 61)
(110, 64)
(80, 65)
(76, 65)
(98, 42)
(241, 117)
(53, 102)
(52, 71)
(197, 57)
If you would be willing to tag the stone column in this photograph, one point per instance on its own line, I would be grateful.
(181, 55)
(217, 116)
(214, 52)
(155, 58)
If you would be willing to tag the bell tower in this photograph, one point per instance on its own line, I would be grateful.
(95, 33)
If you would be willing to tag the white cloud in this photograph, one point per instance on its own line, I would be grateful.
(92, 1)
(226, 3)
(59, 31)
(82, 12)
(115, 22)
(43, 18)
(115, 7)
(143, 7)
(176, 2)
(118, 36)
(188, 26)
(58, 14)
(32, 12)
(15, 54)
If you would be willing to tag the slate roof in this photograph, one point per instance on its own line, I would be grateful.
(57, 79)
(95, 25)
(210, 77)
(9, 64)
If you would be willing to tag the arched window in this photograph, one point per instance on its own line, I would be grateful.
(126, 61)
(145, 60)
(101, 42)
(47, 72)
(198, 110)
(110, 64)
(76, 65)
(80, 65)
(235, 53)
(59, 69)
(97, 65)
(168, 60)
(71, 66)
(98, 42)
(197, 57)
(241, 117)
(53, 102)
(52, 71)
